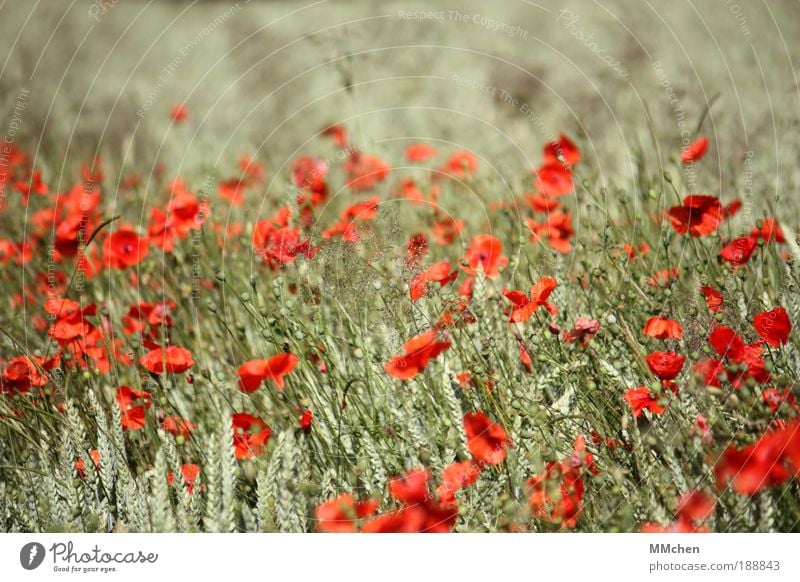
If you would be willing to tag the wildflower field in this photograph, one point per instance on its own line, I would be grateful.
(340, 267)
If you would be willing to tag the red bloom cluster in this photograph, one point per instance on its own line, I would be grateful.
(171, 359)
(133, 404)
(437, 273)
(738, 361)
(557, 494)
(254, 372)
(694, 507)
(771, 460)
(486, 254)
(740, 250)
(699, 215)
(525, 307)
(486, 439)
(277, 243)
(250, 435)
(418, 351)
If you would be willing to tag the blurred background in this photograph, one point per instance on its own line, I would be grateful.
(498, 78)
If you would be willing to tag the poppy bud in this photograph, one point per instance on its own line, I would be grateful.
(424, 456)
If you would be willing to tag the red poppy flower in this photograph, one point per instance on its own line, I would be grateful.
(557, 494)
(694, 151)
(525, 307)
(416, 249)
(429, 517)
(457, 476)
(553, 179)
(178, 426)
(71, 323)
(699, 215)
(770, 461)
(124, 248)
(418, 351)
(279, 244)
(713, 297)
(773, 326)
(562, 151)
(360, 211)
(309, 177)
(694, 507)
(179, 113)
(556, 229)
(641, 399)
(703, 429)
(172, 359)
(775, 398)
(665, 365)
(340, 515)
(233, 190)
(486, 253)
(583, 330)
(727, 342)
(411, 487)
(486, 439)
(250, 435)
(34, 185)
(730, 346)
(455, 313)
(23, 373)
(709, 370)
(365, 171)
(254, 372)
(409, 190)
(420, 152)
(305, 420)
(663, 277)
(190, 474)
(338, 134)
(69, 233)
(133, 417)
(738, 251)
(542, 203)
(80, 466)
(436, 273)
(768, 231)
(252, 169)
(662, 328)
(459, 165)
(525, 359)
(642, 249)
(445, 231)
